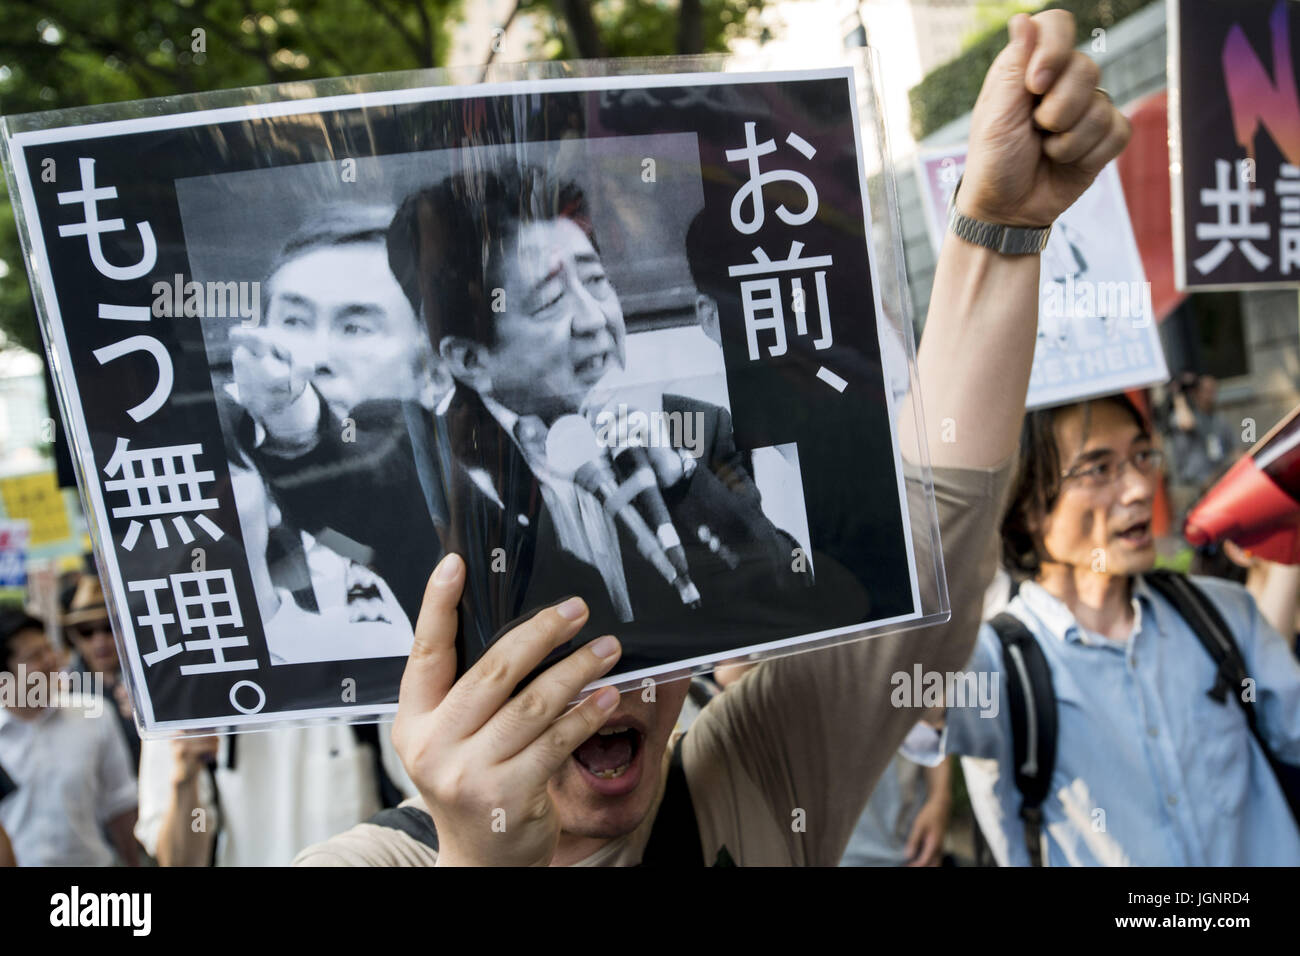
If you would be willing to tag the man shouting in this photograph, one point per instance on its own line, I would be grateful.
(776, 770)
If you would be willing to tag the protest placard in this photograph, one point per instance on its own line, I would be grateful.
(13, 560)
(1234, 138)
(612, 336)
(1096, 331)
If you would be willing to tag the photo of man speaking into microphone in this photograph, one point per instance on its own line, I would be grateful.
(556, 481)
(629, 387)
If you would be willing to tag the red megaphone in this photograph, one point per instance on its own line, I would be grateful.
(1257, 503)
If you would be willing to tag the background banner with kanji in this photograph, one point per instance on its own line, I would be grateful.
(1235, 143)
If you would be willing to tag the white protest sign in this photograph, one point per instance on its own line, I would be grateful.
(1096, 331)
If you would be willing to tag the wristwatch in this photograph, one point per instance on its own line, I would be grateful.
(1009, 240)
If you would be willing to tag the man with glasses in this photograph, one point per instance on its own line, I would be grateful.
(1149, 768)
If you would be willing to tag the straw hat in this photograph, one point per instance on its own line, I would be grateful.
(87, 603)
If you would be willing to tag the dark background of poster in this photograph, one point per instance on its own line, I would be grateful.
(846, 455)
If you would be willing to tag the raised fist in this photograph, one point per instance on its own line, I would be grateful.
(1041, 130)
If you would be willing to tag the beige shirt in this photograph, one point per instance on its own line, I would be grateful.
(781, 764)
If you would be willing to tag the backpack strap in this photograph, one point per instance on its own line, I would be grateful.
(1196, 608)
(1032, 700)
(414, 822)
(389, 794)
(1211, 630)
(674, 838)
(7, 785)
(210, 768)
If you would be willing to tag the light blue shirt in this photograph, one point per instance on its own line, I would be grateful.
(880, 837)
(1150, 771)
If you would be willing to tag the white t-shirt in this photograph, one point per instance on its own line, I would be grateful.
(74, 775)
(289, 788)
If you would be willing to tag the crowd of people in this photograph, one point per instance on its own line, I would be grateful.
(1104, 747)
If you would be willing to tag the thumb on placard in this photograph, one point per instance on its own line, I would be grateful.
(1007, 74)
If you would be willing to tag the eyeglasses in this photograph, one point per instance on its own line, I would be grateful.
(90, 630)
(1099, 474)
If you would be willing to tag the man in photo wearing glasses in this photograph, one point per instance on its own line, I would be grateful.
(1149, 768)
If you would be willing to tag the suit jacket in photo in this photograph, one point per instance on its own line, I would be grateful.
(409, 485)
(499, 519)
(356, 492)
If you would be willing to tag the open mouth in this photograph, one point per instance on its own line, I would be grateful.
(1137, 534)
(593, 366)
(610, 758)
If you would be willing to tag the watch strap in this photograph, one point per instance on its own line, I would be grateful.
(1008, 240)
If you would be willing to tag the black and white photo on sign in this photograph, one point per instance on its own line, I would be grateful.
(339, 344)
(335, 359)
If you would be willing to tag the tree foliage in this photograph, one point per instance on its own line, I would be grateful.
(949, 91)
(80, 52)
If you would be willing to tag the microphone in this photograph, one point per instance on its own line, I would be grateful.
(573, 451)
(636, 477)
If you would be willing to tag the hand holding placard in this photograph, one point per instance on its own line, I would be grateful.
(482, 759)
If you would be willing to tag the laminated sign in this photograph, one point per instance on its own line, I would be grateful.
(613, 336)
